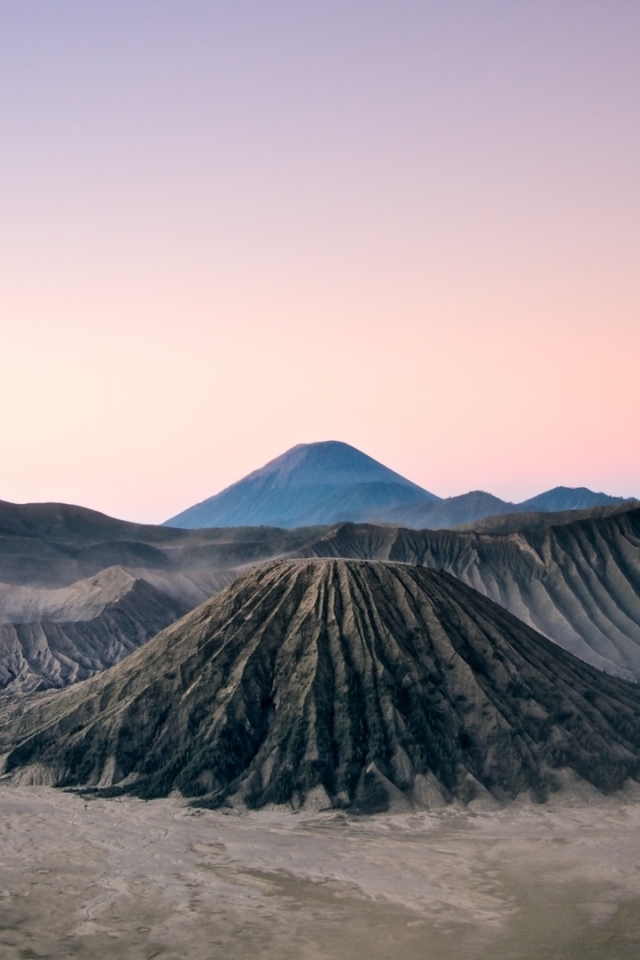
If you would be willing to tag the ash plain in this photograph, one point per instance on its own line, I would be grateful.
(129, 879)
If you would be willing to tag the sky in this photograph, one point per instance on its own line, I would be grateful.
(227, 228)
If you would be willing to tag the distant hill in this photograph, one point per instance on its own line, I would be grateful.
(513, 522)
(337, 683)
(313, 483)
(445, 514)
(568, 498)
(330, 482)
(475, 509)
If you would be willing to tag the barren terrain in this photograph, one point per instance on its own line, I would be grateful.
(346, 683)
(571, 576)
(128, 879)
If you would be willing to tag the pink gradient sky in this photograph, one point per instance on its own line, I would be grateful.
(226, 228)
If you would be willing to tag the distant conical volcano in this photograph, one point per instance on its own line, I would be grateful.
(359, 683)
(329, 482)
(313, 483)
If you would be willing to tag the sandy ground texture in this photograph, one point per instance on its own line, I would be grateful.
(130, 880)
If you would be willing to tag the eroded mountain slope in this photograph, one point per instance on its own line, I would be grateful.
(578, 583)
(50, 638)
(575, 580)
(65, 614)
(347, 683)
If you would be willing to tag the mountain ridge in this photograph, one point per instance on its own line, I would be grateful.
(577, 583)
(330, 481)
(573, 577)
